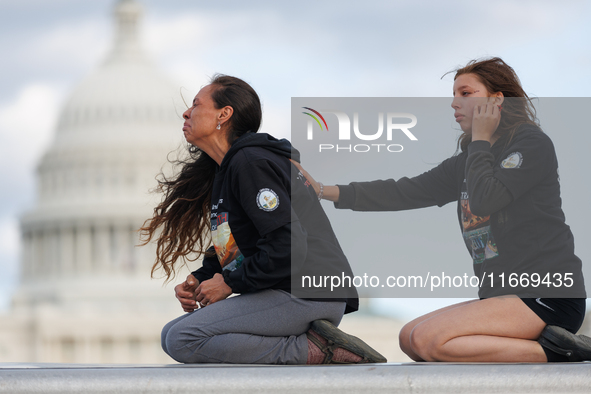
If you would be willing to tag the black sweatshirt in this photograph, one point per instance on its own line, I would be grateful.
(267, 223)
(509, 209)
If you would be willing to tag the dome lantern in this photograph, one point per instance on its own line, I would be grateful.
(126, 45)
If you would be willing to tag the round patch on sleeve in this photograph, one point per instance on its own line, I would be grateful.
(514, 160)
(267, 200)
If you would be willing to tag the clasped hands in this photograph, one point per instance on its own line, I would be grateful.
(191, 293)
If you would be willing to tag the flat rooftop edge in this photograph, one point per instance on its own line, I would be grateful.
(365, 378)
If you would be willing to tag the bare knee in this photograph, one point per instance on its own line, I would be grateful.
(404, 338)
(404, 341)
(426, 343)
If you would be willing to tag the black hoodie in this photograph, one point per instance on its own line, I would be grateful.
(509, 211)
(268, 227)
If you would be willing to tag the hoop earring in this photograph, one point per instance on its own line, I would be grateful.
(219, 126)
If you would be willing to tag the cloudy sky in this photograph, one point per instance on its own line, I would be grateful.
(284, 49)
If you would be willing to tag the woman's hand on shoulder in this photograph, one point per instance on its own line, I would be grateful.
(185, 293)
(313, 182)
(330, 193)
(212, 290)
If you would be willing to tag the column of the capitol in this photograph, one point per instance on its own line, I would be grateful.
(85, 293)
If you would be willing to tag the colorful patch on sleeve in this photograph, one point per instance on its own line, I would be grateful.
(477, 233)
(228, 253)
(514, 160)
(267, 200)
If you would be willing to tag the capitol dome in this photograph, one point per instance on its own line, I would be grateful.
(85, 293)
(127, 99)
(115, 129)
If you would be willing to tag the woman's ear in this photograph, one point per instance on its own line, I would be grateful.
(225, 114)
(499, 98)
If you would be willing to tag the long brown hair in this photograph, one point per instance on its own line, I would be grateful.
(498, 76)
(183, 216)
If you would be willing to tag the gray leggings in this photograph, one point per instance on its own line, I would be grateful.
(266, 327)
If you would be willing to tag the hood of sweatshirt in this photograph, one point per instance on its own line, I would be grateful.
(281, 147)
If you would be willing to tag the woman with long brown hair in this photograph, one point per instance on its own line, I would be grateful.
(238, 191)
(505, 182)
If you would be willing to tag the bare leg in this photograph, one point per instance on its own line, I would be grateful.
(404, 336)
(501, 329)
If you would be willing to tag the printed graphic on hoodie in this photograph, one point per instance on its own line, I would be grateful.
(476, 231)
(226, 249)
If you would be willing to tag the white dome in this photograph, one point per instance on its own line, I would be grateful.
(111, 141)
(126, 101)
(113, 134)
(84, 283)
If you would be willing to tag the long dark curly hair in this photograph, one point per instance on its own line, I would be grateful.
(498, 76)
(181, 222)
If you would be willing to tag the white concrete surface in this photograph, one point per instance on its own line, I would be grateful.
(370, 378)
